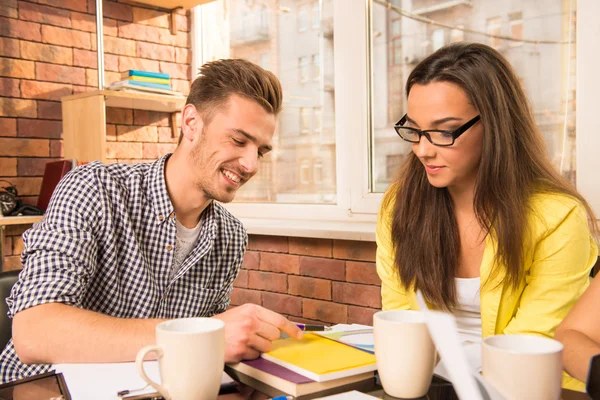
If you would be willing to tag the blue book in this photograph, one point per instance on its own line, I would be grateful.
(135, 72)
(129, 85)
(149, 84)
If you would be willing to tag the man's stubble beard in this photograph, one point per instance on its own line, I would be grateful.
(206, 185)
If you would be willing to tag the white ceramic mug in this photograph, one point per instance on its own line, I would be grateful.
(404, 351)
(191, 357)
(523, 366)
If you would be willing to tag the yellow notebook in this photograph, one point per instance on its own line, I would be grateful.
(320, 359)
(149, 79)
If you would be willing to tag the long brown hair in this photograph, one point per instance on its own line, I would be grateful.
(513, 166)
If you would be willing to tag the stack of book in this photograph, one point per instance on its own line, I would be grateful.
(144, 81)
(315, 365)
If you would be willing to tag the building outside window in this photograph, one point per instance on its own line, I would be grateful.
(303, 18)
(305, 172)
(516, 28)
(457, 35)
(543, 69)
(361, 91)
(438, 39)
(315, 15)
(494, 27)
(304, 64)
(305, 117)
(316, 67)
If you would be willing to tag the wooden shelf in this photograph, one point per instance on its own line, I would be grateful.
(20, 220)
(84, 118)
(172, 4)
(133, 100)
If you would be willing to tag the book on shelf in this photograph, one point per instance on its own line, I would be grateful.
(319, 358)
(148, 74)
(274, 380)
(148, 79)
(133, 86)
(145, 84)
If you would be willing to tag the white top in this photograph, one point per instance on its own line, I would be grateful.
(468, 309)
(186, 239)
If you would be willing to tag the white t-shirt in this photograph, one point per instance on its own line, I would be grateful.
(186, 239)
(468, 310)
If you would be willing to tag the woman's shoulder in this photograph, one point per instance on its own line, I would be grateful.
(548, 210)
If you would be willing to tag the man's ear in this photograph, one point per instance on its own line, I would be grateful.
(191, 122)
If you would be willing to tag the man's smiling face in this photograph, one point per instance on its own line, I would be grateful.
(226, 153)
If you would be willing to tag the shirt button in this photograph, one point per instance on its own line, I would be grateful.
(169, 247)
(161, 217)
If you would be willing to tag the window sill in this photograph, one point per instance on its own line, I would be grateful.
(355, 230)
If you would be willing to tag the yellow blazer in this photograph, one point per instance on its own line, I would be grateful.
(558, 256)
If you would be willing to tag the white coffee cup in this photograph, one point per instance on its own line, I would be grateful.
(404, 351)
(191, 357)
(523, 366)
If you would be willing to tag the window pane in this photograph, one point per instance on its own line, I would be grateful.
(542, 68)
(293, 39)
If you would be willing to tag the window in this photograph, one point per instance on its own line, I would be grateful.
(318, 172)
(543, 69)
(357, 149)
(317, 120)
(303, 18)
(316, 67)
(396, 28)
(494, 27)
(304, 68)
(516, 28)
(457, 35)
(306, 126)
(392, 163)
(305, 172)
(315, 15)
(305, 117)
(265, 61)
(437, 39)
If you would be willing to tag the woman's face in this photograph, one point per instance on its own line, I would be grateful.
(445, 106)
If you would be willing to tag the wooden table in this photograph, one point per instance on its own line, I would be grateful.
(19, 220)
(439, 390)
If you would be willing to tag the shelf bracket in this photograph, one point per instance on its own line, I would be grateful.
(174, 20)
(174, 130)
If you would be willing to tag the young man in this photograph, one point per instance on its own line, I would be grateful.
(124, 247)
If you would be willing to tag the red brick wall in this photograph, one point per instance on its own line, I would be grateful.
(310, 280)
(47, 51)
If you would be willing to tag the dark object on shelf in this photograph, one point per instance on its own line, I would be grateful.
(53, 173)
(8, 198)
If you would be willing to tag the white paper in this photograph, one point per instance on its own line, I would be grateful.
(353, 395)
(473, 353)
(103, 381)
(457, 368)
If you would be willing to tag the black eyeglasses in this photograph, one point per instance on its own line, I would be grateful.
(435, 136)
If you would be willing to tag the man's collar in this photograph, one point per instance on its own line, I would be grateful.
(156, 190)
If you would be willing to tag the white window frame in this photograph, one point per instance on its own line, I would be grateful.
(354, 215)
(588, 87)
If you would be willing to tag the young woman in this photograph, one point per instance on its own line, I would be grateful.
(479, 220)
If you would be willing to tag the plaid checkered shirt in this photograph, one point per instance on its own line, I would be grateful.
(106, 244)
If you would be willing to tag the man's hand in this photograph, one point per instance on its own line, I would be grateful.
(250, 329)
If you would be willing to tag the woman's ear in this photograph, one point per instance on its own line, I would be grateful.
(191, 122)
